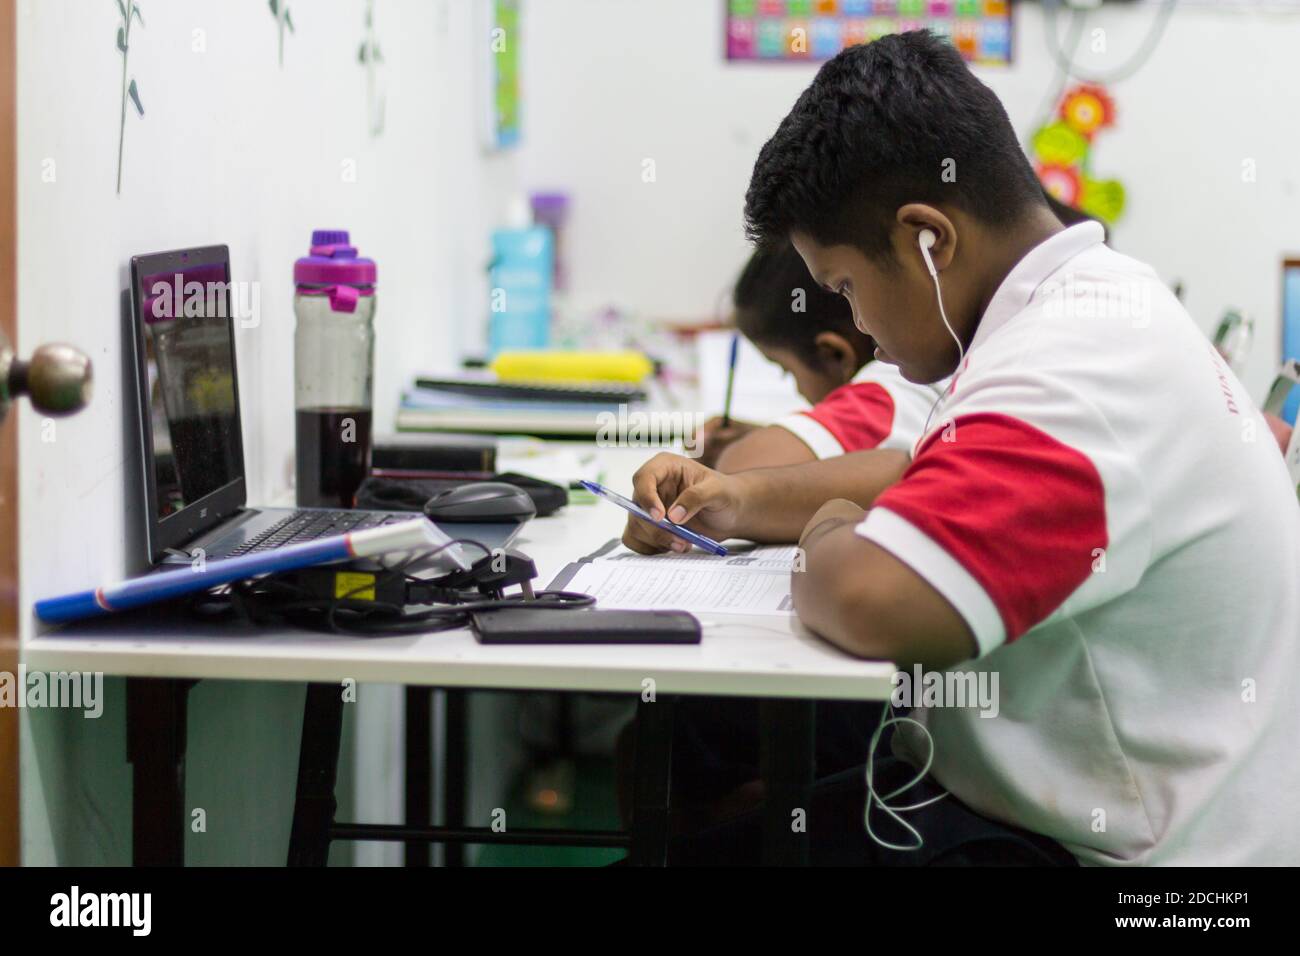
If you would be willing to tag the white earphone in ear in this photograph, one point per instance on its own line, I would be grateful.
(927, 239)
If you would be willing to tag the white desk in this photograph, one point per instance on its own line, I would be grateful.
(767, 657)
(759, 656)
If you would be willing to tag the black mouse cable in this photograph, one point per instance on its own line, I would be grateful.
(282, 597)
(452, 614)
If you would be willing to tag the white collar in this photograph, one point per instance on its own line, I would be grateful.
(1038, 264)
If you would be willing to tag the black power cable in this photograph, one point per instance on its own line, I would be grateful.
(287, 598)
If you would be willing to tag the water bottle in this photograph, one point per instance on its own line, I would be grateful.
(334, 350)
(520, 276)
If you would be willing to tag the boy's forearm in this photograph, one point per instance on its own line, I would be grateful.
(769, 447)
(776, 503)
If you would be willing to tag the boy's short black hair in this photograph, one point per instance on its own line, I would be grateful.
(901, 119)
(772, 288)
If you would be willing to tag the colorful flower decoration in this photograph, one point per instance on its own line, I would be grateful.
(1062, 152)
(1088, 108)
(1103, 198)
(1063, 182)
(1056, 144)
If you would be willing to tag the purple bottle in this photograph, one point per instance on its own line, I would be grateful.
(334, 351)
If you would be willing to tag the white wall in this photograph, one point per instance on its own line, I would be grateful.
(232, 149)
(610, 84)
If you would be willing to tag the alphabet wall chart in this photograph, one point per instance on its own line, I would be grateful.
(811, 30)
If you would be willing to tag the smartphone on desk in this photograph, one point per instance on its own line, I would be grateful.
(686, 534)
(530, 625)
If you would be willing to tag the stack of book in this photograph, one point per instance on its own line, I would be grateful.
(487, 406)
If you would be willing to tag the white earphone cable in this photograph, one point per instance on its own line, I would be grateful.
(938, 293)
(943, 314)
(888, 719)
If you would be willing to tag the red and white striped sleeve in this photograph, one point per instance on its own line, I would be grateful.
(878, 409)
(1018, 514)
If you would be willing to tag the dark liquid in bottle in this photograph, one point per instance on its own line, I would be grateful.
(333, 455)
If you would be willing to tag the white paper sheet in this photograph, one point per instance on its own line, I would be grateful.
(777, 559)
(752, 581)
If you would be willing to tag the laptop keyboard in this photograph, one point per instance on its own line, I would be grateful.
(309, 525)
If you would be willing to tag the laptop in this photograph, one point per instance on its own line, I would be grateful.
(187, 389)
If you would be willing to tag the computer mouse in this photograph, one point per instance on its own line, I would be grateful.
(481, 501)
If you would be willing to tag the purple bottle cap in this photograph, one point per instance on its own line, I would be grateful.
(333, 268)
(549, 206)
(329, 237)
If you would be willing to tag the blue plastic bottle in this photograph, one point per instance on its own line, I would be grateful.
(520, 293)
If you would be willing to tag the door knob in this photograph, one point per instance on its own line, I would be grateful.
(57, 378)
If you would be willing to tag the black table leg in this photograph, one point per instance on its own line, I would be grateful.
(651, 782)
(318, 767)
(786, 755)
(455, 782)
(565, 748)
(419, 770)
(155, 747)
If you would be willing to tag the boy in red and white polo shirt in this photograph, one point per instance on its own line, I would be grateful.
(1098, 516)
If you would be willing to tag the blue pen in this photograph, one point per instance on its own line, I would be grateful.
(686, 534)
(731, 380)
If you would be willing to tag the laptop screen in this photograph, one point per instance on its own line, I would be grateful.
(190, 380)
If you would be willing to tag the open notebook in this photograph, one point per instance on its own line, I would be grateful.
(751, 579)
